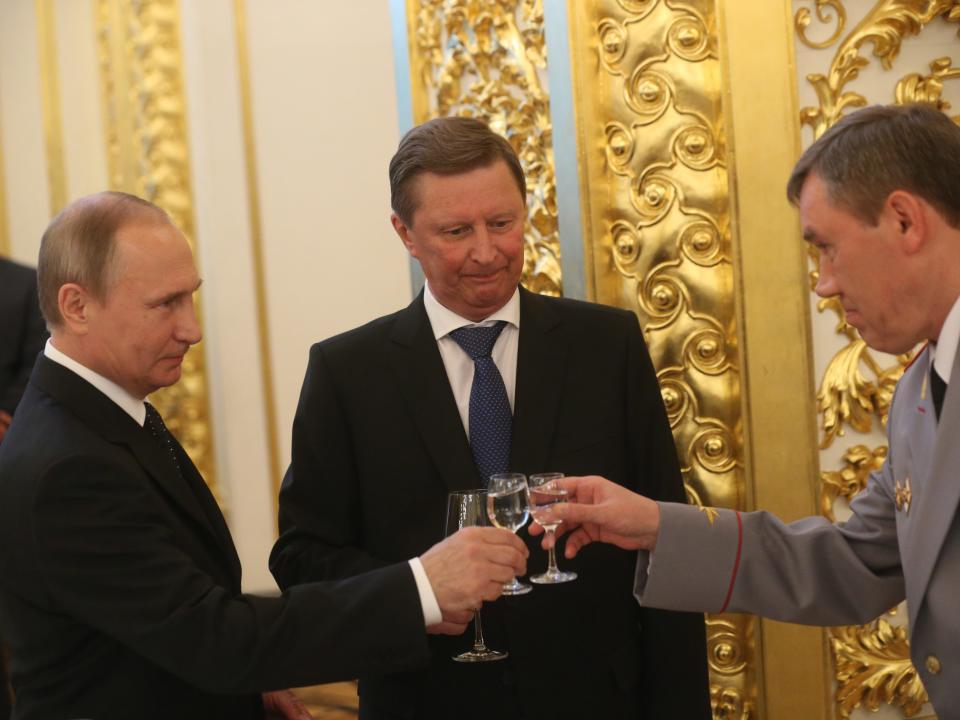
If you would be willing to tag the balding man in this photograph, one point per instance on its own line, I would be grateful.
(119, 582)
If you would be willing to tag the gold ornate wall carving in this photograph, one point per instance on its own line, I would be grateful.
(657, 223)
(4, 223)
(50, 99)
(488, 60)
(871, 662)
(146, 138)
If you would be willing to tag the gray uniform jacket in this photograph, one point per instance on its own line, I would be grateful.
(903, 540)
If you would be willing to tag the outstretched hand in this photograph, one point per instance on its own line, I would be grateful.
(602, 511)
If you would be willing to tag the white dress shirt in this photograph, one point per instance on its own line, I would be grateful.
(945, 348)
(458, 364)
(135, 408)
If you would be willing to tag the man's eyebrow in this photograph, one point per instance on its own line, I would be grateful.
(177, 293)
(809, 235)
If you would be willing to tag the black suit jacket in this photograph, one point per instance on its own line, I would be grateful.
(377, 445)
(120, 586)
(22, 330)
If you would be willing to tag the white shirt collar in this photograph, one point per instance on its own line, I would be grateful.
(134, 407)
(443, 320)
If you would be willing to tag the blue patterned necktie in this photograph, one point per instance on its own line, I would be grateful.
(490, 414)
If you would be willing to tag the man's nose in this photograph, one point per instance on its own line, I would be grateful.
(826, 285)
(188, 327)
(484, 250)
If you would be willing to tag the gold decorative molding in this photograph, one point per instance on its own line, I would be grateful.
(648, 95)
(827, 11)
(487, 60)
(141, 77)
(4, 221)
(256, 240)
(871, 662)
(874, 669)
(50, 100)
(884, 27)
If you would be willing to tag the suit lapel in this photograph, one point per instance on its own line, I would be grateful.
(934, 448)
(541, 359)
(100, 413)
(416, 360)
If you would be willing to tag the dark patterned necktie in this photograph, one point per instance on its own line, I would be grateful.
(154, 423)
(938, 389)
(490, 414)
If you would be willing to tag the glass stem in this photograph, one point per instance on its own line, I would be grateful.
(552, 555)
(478, 644)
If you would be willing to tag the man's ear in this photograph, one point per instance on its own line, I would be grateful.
(75, 306)
(908, 213)
(403, 230)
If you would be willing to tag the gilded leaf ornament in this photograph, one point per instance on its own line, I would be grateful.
(885, 27)
(858, 462)
(873, 668)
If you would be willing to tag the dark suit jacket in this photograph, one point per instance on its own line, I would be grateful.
(22, 330)
(378, 444)
(120, 585)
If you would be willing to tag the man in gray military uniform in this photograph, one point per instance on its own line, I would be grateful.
(879, 198)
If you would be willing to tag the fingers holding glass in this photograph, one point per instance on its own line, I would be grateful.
(468, 509)
(545, 492)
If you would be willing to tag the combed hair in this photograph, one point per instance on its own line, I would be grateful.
(446, 146)
(79, 245)
(872, 152)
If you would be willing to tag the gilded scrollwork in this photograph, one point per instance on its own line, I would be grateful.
(488, 60)
(928, 89)
(661, 229)
(885, 27)
(858, 462)
(828, 11)
(873, 668)
(146, 138)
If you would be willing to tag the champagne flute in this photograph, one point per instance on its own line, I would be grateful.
(465, 509)
(507, 508)
(544, 494)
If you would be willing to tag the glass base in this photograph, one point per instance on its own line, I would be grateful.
(515, 587)
(553, 577)
(479, 654)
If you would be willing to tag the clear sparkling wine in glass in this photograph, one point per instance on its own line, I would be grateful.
(544, 493)
(507, 508)
(465, 509)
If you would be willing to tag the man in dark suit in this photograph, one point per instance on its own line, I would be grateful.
(396, 413)
(22, 334)
(119, 582)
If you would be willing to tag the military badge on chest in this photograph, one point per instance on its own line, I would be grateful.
(902, 495)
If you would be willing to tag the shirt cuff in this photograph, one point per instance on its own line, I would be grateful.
(428, 601)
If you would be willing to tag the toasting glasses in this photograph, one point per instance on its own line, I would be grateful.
(544, 493)
(507, 508)
(465, 509)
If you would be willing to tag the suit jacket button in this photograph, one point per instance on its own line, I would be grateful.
(932, 664)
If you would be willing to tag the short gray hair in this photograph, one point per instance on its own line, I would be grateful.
(874, 151)
(79, 245)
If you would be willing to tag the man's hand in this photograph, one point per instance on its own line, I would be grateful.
(5, 421)
(284, 705)
(469, 567)
(602, 511)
